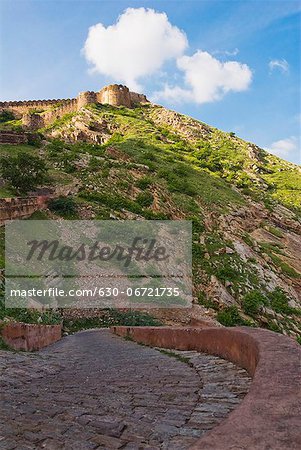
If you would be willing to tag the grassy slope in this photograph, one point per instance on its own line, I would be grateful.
(155, 171)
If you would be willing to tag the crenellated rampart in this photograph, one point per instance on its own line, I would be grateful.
(22, 107)
(36, 114)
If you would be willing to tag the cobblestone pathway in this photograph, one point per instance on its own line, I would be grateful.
(95, 390)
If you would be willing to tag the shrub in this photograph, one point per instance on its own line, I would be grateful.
(145, 199)
(26, 315)
(34, 139)
(64, 206)
(279, 301)
(252, 302)
(111, 317)
(114, 201)
(151, 215)
(208, 303)
(6, 116)
(24, 172)
(94, 164)
(144, 182)
(272, 326)
(227, 272)
(275, 231)
(197, 225)
(230, 317)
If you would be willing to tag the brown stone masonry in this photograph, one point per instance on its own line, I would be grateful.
(20, 208)
(29, 337)
(13, 137)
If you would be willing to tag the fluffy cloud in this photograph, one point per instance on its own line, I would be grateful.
(284, 147)
(280, 64)
(226, 52)
(137, 45)
(207, 79)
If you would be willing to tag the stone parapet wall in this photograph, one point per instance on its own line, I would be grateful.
(269, 416)
(21, 107)
(29, 337)
(20, 208)
(13, 137)
(36, 114)
(34, 121)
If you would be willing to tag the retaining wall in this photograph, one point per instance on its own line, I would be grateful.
(269, 416)
(29, 337)
(20, 207)
(13, 137)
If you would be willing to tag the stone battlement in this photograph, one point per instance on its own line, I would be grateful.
(38, 113)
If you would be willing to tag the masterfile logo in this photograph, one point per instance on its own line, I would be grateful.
(88, 264)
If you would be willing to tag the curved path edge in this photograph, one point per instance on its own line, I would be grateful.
(269, 416)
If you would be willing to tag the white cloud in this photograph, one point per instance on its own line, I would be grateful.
(207, 79)
(136, 46)
(226, 52)
(280, 64)
(284, 147)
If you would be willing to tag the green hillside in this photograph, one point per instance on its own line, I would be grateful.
(150, 162)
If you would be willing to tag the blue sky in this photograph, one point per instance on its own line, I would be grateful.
(257, 96)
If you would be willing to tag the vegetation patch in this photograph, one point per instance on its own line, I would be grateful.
(230, 317)
(111, 317)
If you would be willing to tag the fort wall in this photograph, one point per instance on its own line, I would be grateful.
(115, 95)
(20, 207)
(22, 107)
(36, 114)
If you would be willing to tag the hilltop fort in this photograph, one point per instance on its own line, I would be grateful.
(36, 114)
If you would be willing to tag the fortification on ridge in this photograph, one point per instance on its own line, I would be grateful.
(36, 114)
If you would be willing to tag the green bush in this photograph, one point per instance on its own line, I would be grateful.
(227, 272)
(114, 201)
(144, 182)
(34, 139)
(203, 300)
(64, 206)
(94, 164)
(279, 301)
(252, 302)
(24, 172)
(273, 327)
(230, 317)
(6, 116)
(145, 199)
(110, 318)
(25, 315)
(197, 225)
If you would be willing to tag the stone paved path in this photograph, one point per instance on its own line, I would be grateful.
(94, 390)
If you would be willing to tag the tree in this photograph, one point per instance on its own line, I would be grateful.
(23, 172)
(6, 116)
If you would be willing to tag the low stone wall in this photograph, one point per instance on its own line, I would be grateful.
(13, 137)
(269, 416)
(20, 207)
(29, 337)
